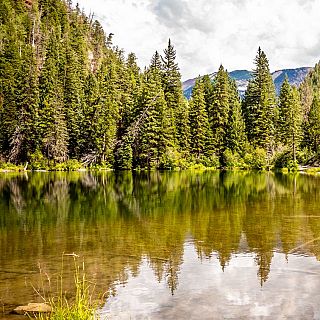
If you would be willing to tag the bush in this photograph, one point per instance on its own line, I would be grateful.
(7, 166)
(211, 161)
(38, 161)
(284, 159)
(69, 165)
(232, 160)
(257, 159)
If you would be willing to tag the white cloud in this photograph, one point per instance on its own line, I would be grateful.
(208, 33)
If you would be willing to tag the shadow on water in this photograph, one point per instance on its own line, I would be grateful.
(125, 225)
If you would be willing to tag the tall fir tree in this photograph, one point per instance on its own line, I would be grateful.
(259, 105)
(52, 121)
(236, 139)
(313, 125)
(219, 110)
(290, 118)
(172, 89)
(199, 124)
(25, 139)
(153, 137)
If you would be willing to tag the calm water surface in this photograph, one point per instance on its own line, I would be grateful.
(210, 245)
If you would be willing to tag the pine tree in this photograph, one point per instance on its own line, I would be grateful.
(235, 131)
(290, 117)
(52, 122)
(208, 92)
(313, 125)
(199, 123)
(172, 87)
(10, 63)
(25, 138)
(219, 110)
(156, 61)
(104, 114)
(259, 105)
(183, 127)
(153, 135)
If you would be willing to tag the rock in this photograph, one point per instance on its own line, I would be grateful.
(33, 308)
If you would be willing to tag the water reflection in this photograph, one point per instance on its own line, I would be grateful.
(128, 225)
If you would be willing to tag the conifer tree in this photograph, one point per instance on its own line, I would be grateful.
(235, 131)
(52, 122)
(290, 117)
(259, 105)
(199, 123)
(156, 61)
(219, 110)
(105, 114)
(183, 127)
(172, 86)
(10, 63)
(153, 131)
(25, 138)
(313, 125)
(208, 92)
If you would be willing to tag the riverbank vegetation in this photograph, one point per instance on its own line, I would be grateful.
(70, 99)
(77, 304)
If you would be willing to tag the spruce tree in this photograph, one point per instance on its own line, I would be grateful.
(199, 123)
(52, 122)
(219, 110)
(208, 92)
(259, 105)
(235, 131)
(153, 137)
(313, 125)
(172, 87)
(25, 139)
(290, 117)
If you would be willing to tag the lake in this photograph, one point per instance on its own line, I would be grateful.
(165, 245)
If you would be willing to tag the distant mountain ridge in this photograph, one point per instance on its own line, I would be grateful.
(242, 77)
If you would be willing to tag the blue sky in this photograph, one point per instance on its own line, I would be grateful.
(207, 33)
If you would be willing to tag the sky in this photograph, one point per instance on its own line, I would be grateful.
(207, 33)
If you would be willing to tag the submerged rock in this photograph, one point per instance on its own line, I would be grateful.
(33, 308)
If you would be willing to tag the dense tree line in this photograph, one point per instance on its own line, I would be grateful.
(68, 94)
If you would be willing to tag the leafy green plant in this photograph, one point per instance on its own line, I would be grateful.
(81, 307)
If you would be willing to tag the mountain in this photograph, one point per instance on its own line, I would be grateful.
(242, 77)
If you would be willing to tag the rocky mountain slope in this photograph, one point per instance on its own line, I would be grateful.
(242, 78)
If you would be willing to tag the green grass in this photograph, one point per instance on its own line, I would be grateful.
(314, 170)
(80, 307)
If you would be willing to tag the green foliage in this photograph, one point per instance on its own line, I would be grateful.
(172, 160)
(67, 93)
(219, 110)
(199, 123)
(7, 166)
(259, 105)
(284, 160)
(233, 160)
(256, 159)
(38, 161)
(313, 125)
(290, 118)
(82, 308)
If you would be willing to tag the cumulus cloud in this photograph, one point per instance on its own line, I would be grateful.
(208, 33)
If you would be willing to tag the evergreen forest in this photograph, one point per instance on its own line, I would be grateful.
(71, 98)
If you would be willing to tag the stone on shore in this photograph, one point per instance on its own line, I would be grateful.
(33, 308)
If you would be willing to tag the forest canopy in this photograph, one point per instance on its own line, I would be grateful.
(69, 95)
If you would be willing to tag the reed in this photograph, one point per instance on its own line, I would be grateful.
(81, 306)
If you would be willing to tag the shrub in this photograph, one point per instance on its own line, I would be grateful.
(257, 159)
(38, 161)
(232, 160)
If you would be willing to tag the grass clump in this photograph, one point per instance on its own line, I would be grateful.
(77, 305)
